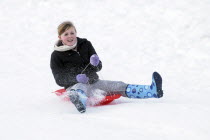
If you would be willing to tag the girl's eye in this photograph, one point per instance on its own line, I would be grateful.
(65, 34)
(72, 33)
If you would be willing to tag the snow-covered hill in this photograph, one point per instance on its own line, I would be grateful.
(133, 38)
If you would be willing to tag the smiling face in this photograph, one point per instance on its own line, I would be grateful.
(69, 37)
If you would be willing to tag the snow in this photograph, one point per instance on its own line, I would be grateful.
(133, 39)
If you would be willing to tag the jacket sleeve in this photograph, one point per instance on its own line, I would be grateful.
(92, 51)
(64, 76)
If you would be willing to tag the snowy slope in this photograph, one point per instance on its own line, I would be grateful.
(133, 38)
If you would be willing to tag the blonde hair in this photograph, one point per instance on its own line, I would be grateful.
(65, 26)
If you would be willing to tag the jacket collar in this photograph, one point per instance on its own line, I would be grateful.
(60, 47)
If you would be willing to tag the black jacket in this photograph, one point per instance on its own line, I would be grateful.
(67, 64)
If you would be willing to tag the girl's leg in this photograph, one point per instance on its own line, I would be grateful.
(132, 91)
(109, 87)
(78, 97)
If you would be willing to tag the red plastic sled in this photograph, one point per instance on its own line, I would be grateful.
(92, 101)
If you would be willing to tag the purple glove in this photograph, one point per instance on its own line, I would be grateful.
(94, 60)
(82, 78)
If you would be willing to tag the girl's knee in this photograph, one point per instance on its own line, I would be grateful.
(78, 86)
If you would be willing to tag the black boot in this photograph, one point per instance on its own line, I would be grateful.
(75, 99)
(146, 91)
(158, 81)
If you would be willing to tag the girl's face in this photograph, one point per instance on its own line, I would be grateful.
(69, 37)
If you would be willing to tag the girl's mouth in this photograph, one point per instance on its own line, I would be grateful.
(70, 40)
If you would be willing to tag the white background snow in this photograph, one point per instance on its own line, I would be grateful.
(133, 38)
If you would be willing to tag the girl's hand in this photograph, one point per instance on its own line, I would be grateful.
(82, 78)
(94, 60)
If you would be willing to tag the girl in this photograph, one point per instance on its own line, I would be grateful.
(74, 63)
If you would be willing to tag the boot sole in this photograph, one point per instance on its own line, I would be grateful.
(78, 104)
(158, 81)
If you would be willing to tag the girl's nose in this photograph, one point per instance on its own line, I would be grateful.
(70, 35)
